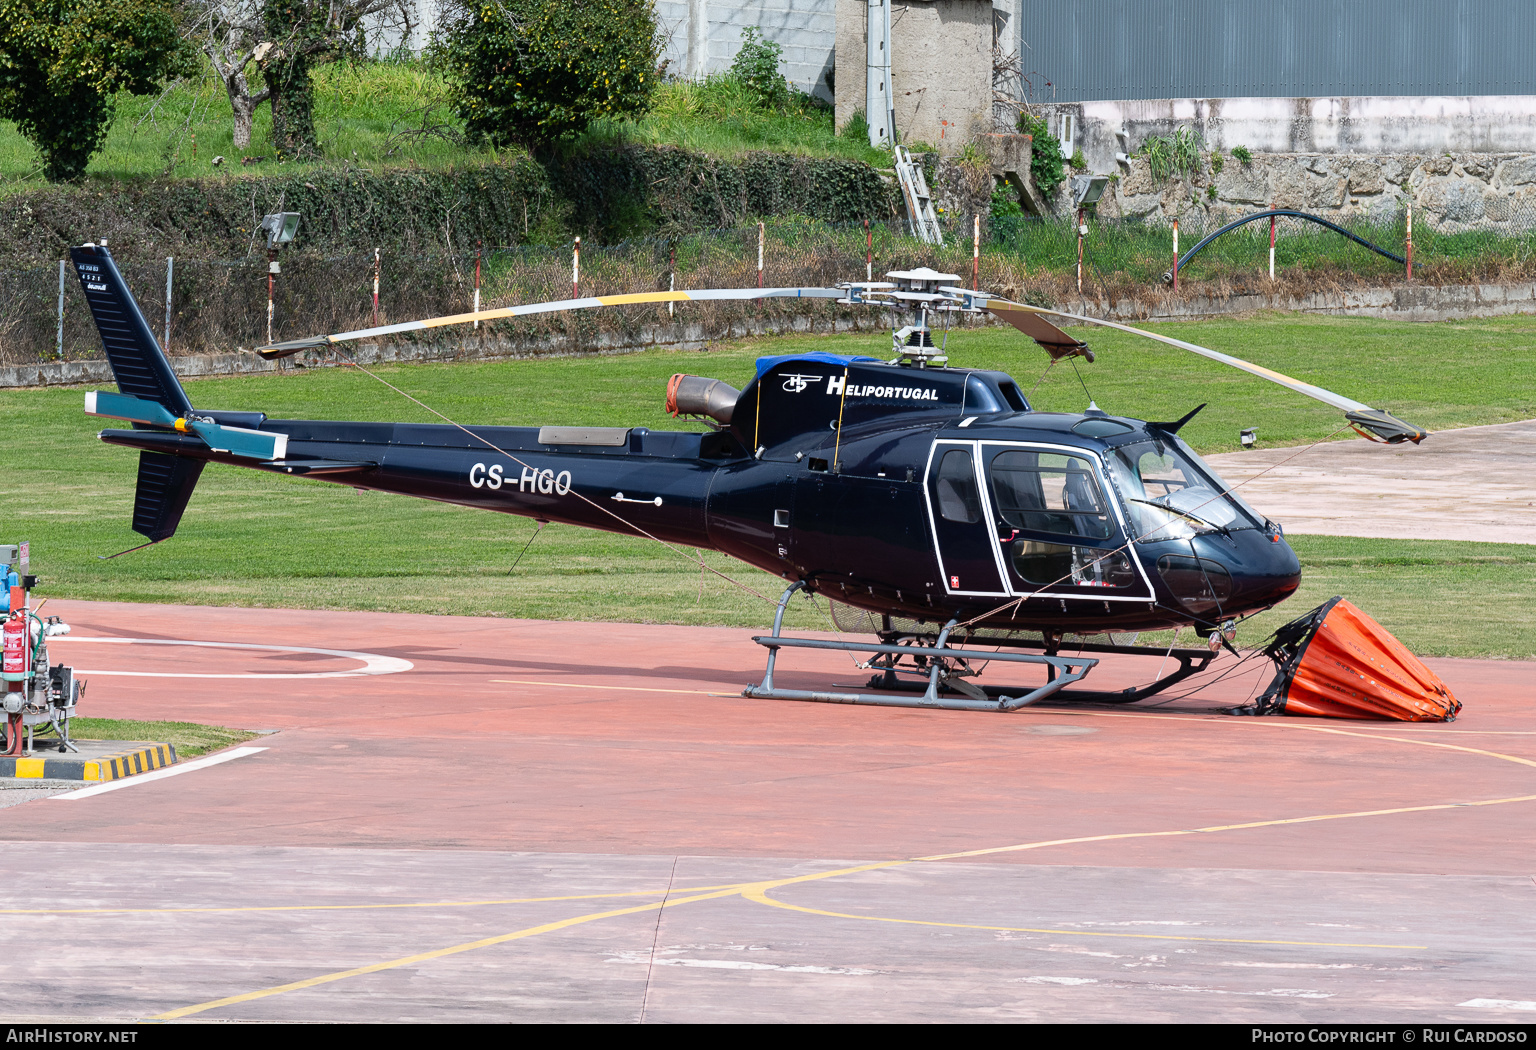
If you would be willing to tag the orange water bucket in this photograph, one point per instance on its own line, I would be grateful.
(1337, 662)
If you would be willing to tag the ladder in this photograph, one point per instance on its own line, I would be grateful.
(914, 191)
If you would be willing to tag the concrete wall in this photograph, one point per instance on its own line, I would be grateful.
(702, 36)
(1346, 125)
(941, 68)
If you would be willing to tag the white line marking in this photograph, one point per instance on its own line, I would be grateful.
(1500, 1004)
(372, 663)
(160, 774)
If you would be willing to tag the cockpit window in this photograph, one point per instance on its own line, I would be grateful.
(1049, 492)
(1171, 495)
(955, 486)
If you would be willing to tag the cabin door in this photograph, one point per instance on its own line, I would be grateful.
(961, 518)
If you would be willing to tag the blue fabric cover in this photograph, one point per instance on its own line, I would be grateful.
(820, 356)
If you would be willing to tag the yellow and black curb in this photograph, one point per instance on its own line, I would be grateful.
(114, 765)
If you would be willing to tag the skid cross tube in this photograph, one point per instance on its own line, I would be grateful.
(1061, 670)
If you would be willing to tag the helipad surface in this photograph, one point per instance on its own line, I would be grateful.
(479, 819)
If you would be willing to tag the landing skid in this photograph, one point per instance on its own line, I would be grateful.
(943, 669)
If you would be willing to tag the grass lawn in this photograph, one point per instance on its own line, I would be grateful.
(189, 738)
(362, 109)
(253, 539)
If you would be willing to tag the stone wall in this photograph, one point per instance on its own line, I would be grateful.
(1450, 193)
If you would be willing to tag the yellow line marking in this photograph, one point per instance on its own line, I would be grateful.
(608, 688)
(421, 957)
(1224, 827)
(355, 907)
(760, 897)
(757, 891)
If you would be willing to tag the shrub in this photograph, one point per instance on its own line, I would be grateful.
(533, 71)
(757, 66)
(62, 62)
(1243, 154)
(1046, 163)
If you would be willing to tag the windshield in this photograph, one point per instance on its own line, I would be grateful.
(1171, 495)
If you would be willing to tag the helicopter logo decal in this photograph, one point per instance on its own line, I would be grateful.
(796, 383)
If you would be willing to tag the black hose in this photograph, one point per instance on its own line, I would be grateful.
(1283, 213)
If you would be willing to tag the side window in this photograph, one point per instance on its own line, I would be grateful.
(955, 488)
(1049, 492)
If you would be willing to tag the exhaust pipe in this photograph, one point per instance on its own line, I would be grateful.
(696, 396)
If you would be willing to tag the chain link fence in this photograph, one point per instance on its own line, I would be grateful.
(221, 305)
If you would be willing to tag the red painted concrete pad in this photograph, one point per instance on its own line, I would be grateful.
(613, 738)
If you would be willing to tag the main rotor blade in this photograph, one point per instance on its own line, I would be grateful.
(1051, 339)
(293, 346)
(1381, 423)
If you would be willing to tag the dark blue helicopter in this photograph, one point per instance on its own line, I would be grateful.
(929, 503)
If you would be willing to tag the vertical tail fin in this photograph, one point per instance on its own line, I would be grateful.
(141, 370)
(165, 486)
(138, 364)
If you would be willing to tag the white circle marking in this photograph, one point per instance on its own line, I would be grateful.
(372, 663)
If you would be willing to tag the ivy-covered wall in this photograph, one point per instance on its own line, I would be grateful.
(605, 194)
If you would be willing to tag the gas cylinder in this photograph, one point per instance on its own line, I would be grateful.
(16, 648)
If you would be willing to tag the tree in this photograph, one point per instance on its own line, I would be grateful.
(231, 37)
(62, 63)
(533, 71)
(304, 34)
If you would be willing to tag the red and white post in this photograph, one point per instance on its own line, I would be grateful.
(1409, 255)
(1272, 245)
(376, 287)
(976, 253)
(1080, 228)
(1175, 255)
(869, 252)
(759, 255)
(478, 245)
(576, 269)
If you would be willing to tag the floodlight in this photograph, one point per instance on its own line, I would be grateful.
(280, 228)
(1087, 189)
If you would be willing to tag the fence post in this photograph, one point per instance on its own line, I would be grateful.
(376, 288)
(1175, 255)
(478, 247)
(671, 278)
(976, 252)
(759, 255)
(576, 270)
(1410, 240)
(869, 252)
(1272, 243)
(170, 267)
(271, 277)
(60, 346)
(1080, 228)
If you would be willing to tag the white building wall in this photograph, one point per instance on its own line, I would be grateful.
(702, 37)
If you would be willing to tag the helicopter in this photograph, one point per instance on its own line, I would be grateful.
(930, 504)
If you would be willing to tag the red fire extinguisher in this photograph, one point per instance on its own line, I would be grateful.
(17, 651)
(14, 664)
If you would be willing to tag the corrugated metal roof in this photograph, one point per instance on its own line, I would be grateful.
(1078, 50)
